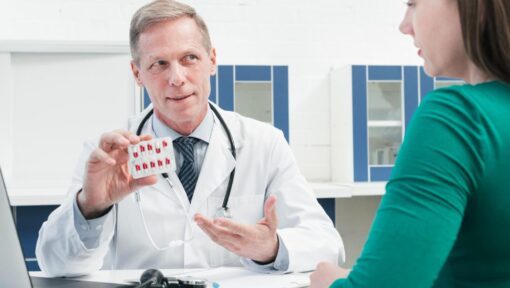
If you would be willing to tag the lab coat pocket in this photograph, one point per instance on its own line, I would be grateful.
(246, 209)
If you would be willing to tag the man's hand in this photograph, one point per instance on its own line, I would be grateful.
(257, 242)
(325, 274)
(107, 179)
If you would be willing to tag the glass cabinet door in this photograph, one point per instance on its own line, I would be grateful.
(384, 101)
(384, 143)
(254, 100)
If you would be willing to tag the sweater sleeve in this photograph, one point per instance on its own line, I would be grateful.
(436, 171)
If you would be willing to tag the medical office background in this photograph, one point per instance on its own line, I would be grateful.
(64, 78)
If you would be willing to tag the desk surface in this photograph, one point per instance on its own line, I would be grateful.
(226, 277)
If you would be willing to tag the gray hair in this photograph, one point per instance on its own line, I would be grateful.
(160, 11)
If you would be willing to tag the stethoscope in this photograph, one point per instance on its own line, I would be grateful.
(223, 211)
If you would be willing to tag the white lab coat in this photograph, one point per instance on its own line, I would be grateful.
(264, 166)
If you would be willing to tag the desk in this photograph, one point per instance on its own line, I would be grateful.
(226, 277)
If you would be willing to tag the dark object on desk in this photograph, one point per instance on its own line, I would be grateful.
(153, 278)
(42, 282)
(192, 283)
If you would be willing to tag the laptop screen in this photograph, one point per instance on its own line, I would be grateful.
(13, 270)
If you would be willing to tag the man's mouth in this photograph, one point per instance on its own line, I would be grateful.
(180, 97)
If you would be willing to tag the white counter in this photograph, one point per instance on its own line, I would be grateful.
(55, 196)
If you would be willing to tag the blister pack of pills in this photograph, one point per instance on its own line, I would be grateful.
(151, 157)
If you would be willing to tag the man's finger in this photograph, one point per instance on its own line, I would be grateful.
(101, 156)
(236, 228)
(209, 233)
(225, 239)
(113, 140)
(132, 137)
(145, 137)
(214, 231)
(206, 225)
(144, 181)
(270, 212)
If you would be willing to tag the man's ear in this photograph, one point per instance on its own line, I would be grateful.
(136, 73)
(212, 57)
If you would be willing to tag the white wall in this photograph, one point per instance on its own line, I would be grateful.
(51, 93)
(309, 36)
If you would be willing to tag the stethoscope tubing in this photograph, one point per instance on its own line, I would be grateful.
(225, 212)
(230, 139)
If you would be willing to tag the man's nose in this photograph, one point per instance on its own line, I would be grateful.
(177, 75)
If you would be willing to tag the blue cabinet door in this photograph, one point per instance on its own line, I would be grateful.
(277, 78)
(415, 86)
(29, 220)
(224, 82)
(403, 77)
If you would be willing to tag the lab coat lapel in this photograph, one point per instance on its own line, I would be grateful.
(218, 163)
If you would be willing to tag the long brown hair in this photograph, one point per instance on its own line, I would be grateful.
(486, 33)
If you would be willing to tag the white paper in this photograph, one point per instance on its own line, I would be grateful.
(235, 277)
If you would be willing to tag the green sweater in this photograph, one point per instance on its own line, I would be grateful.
(445, 218)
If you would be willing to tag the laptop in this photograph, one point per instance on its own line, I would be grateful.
(13, 270)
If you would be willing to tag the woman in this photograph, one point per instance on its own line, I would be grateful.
(445, 218)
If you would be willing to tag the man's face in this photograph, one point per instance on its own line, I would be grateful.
(175, 68)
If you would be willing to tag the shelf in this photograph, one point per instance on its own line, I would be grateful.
(36, 197)
(384, 123)
(35, 46)
(384, 81)
(368, 189)
(331, 190)
(348, 190)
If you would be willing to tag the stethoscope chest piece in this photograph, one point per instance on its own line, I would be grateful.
(223, 212)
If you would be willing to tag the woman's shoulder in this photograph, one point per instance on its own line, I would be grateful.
(468, 91)
(489, 95)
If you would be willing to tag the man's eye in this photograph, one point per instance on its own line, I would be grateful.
(160, 63)
(158, 66)
(409, 3)
(190, 58)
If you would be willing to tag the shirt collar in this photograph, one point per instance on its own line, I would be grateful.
(202, 132)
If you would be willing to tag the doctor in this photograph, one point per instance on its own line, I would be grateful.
(112, 221)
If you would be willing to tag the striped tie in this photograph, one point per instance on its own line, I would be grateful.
(187, 174)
